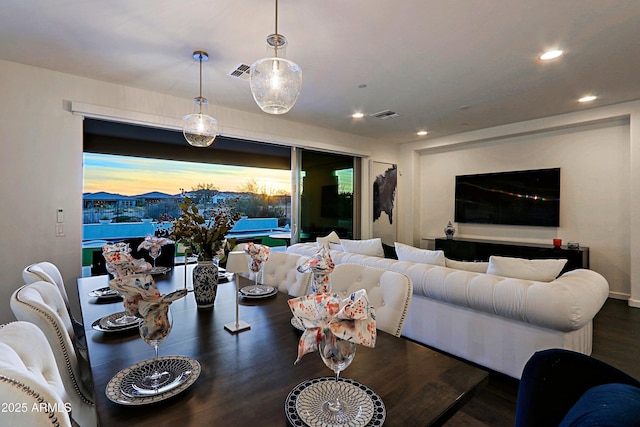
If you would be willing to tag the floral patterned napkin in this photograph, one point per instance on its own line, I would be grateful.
(119, 261)
(153, 243)
(321, 265)
(258, 254)
(352, 319)
(135, 288)
(155, 323)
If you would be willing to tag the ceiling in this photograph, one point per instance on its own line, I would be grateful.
(444, 66)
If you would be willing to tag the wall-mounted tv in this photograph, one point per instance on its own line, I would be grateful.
(529, 197)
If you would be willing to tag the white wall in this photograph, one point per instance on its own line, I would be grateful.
(595, 150)
(41, 143)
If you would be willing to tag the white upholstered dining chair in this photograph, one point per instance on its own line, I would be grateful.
(30, 384)
(50, 273)
(389, 292)
(281, 271)
(41, 304)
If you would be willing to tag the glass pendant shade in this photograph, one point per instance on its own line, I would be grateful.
(275, 84)
(199, 129)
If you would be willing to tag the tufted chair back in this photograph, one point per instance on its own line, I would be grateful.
(50, 273)
(281, 271)
(41, 304)
(29, 379)
(389, 292)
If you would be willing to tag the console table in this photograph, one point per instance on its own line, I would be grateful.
(481, 250)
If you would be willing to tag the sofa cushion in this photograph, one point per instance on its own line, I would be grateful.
(541, 270)
(422, 256)
(336, 247)
(389, 251)
(328, 239)
(371, 247)
(476, 267)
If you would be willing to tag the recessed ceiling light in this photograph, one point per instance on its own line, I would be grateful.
(588, 98)
(551, 54)
(357, 115)
(422, 133)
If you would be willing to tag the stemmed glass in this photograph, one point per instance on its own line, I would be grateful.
(154, 252)
(337, 354)
(154, 330)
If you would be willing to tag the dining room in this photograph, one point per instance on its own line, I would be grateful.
(248, 377)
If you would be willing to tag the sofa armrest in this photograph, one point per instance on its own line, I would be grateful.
(567, 303)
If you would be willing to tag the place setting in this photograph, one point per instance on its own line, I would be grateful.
(258, 255)
(159, 378)
(148, 312)
(334, 327)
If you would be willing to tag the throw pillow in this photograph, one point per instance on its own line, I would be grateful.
(541, 270)
(389, 251)
(329, 238)
(476, 267)
(371, 247)
(422, 256)
(336, 247)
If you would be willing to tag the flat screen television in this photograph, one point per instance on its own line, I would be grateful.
(529, 197)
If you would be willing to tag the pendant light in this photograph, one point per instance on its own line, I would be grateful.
(275, 82)
(200, 129)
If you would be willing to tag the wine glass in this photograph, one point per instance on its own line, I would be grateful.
(337, 354)
(154, 329)
(154, 252)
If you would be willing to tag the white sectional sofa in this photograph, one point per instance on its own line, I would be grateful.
(496, 322)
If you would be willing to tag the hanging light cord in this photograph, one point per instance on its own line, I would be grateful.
(276, 46)
(200, 97)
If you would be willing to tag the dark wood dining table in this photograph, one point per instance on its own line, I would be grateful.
(245, 377)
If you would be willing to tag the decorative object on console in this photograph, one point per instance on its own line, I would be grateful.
(275, 82)
(557, 243)
(573, 245)
(236, 264)
(449, 230)
(321, 265)
(200, 129)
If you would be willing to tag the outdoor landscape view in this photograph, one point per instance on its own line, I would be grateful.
(122, 189)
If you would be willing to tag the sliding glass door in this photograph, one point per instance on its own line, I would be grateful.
(327, 185)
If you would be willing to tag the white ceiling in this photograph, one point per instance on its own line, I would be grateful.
(445, 66)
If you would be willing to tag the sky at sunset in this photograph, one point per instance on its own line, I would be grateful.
(133, 175)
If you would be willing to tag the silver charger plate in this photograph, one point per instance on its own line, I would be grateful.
(105, 293)
(184, 370)
(292, 404)
(251, 292)
(296, 323)
(108, 323)
(157, 270)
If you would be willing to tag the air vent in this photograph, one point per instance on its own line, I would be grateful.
(384, 115)
(241, 72)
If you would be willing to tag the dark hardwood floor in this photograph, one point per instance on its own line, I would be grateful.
(616, 340)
